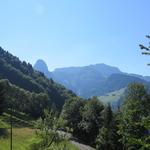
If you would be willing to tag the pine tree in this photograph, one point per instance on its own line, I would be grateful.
(107, 137)
(145, 49)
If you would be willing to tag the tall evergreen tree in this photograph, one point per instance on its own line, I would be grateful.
(134, 125)
(107, 137)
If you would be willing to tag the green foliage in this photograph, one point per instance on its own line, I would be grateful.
(25, 101)
(3, 130)
(24, 76)
(47, 127)
(2, 99)
(102, 142)
(107, 138)
(134, 116)
(98, 125)
(83, 118)
(47, 135)
(23, 138)
(63, 145)
(145, 49)
(71, 113)
(91, 119)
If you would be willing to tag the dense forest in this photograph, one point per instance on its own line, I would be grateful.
(56, 110)
(127, 128)
(24, 76)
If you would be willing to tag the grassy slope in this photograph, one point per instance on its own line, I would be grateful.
(23, 134)
(112, 97)
(21, 139)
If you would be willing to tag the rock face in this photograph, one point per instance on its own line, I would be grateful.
(40, 65)
(92, 80)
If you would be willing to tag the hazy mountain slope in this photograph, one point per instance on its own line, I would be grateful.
(84, 81)
(23, 75)
(80, 80)
(112, 96)
(147, 78)
(105, 70)
(92, 80)
(118, 81)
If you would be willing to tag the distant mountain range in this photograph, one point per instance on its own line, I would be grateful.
(92, 80)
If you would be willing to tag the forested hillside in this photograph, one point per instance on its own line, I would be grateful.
(124, 129)
(74, 75)
(24, 76)
(30, 100)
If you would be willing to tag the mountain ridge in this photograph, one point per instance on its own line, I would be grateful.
(93, 80)
(23, 75)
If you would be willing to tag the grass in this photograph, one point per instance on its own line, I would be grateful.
(112, 97)
(21, 139)
(24, 137)
(56, 146)
(23, 133)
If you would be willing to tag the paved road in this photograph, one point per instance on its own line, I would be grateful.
(81, 146)
(74, 141)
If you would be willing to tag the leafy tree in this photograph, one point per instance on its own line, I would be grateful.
(134, 118)
(47, 131)
(84, 118)
(71, 114)
(91, 120)
(38, 103)
(24, 101)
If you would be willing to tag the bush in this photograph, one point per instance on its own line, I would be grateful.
(3, 132)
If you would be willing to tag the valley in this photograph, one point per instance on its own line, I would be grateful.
(40, 109)
(74, 75)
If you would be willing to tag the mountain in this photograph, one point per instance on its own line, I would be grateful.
(41, 65)
(24, 76)
(92, 80)
(147, 78)
(117, 81)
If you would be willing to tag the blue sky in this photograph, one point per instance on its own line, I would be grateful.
(77, 32)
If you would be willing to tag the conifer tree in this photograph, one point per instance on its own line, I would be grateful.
(107, 137)
(145, 49)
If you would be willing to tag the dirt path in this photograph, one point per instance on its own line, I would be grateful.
(81, 146)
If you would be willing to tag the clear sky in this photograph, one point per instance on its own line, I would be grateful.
(77, 32)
